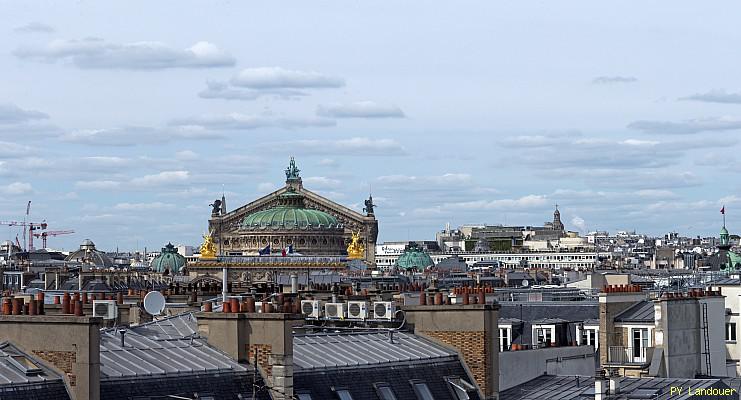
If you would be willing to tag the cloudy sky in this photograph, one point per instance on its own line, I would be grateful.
(124, 120)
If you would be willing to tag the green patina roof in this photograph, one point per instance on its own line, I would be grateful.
(169, 260)
(414, 257)
(290, 214)
(734, 260)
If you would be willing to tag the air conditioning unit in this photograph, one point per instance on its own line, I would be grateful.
(334, 310)
(105, 309)
(383, 310)
(310, 308)
(357, 310)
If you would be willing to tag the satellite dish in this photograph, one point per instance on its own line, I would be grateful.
(154, 303)
(524, 283)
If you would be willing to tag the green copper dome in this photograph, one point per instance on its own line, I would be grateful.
(169, 260)
(290, 214)
(414, 258)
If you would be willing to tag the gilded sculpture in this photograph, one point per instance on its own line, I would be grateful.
(208, 248)
(355, 250)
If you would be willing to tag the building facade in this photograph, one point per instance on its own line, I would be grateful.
(292, 219)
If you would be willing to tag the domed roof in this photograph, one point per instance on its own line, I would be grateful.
(169, 260)
(723, 231)
(414, 257)
(89, 255)
(290, 214)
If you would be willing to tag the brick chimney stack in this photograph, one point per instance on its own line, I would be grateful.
(267, 337)
(470, 329)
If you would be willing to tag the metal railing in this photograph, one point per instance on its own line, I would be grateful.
(623, 355)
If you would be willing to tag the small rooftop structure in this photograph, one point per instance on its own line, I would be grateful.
(23, 377)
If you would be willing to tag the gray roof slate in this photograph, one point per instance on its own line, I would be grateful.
(322, 351)
(643, 311)
(572, 388)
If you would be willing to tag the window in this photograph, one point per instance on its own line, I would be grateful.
(304, 396)
(459, 387)
(384, 392)
(544, 336)
(730, 331)
(640, 343)
(505, 339)
(422, 391)
(589, 337)
(343, 394)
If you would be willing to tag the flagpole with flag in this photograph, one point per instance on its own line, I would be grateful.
(723, 211)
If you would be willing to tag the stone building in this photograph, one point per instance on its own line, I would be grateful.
(292, 218)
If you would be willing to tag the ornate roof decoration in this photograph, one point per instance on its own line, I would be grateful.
(292, 171)
(169, 261)
(414, 258)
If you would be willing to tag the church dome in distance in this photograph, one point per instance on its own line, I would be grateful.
(414, 258)
(169, 261)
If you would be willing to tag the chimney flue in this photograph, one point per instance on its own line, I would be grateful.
(123, 335)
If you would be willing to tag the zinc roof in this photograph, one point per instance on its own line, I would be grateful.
(344, 350)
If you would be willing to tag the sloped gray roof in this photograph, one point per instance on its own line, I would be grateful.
(319, 351)
(10, 375)
(582, 388)
(163, 347)
(643, 311)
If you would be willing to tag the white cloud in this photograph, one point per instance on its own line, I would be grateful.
(579, 223)
(277, 77)
(98, 185)
(17, 188)
(656, 194)
(143, 206)
(222, 90)
(35, 27)
(13, 150)
(95, 53)
(12, 114)
(357, 146)
(136, 135)
(328, 162)
(238, 121)
(520, 204)
(609, 80)
(322, 182)
(186, 155)
(162, 178)
(716, 96)
(447, 179)
(266, 187)
(686, 127)
(360, 109)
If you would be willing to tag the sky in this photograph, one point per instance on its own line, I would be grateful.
(123, 120)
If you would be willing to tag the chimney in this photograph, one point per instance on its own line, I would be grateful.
(265, 337)
(600, 388)
(69, 344)
(614, 299)
(469, 329)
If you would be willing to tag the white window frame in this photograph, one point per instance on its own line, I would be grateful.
(731, 332)
(505, 341)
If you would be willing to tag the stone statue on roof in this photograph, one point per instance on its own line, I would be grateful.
(369, 206)
(292, 171)
(216, 207)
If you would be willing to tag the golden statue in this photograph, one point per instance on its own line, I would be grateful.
(355, 250)
(208, 248)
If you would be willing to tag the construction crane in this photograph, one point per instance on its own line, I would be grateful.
(45, 234)
(32, 226)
